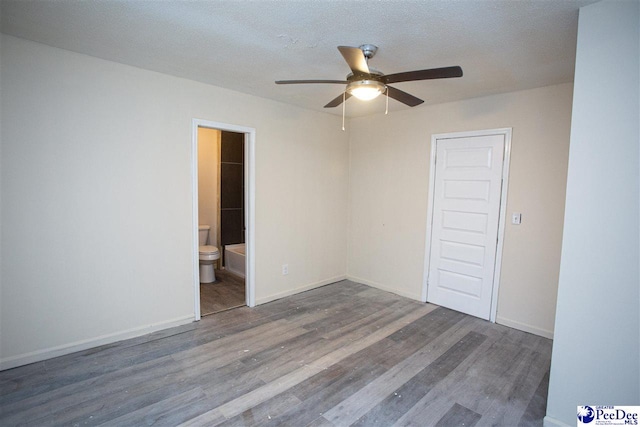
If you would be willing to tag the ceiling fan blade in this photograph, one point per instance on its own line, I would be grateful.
(404, 97)
(337, 100)
(355, 58)
(296, 82)
(432, 73)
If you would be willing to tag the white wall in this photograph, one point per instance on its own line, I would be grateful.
(208, 185)
(389, 174)
(596, 353)
(96, 198)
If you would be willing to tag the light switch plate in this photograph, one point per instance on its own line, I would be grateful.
(516, 218)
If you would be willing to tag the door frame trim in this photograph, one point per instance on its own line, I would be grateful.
(249, 200)
(506, 132)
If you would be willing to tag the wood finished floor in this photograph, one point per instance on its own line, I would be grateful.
(228, 291)
(344, 354)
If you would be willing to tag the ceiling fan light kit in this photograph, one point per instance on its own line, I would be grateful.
(366, 84)
(366, 90)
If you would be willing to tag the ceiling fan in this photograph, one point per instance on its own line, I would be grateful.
(367, 83)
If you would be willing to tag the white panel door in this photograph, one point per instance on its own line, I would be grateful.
(466, 212)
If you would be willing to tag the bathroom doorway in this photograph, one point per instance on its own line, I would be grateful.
(223, 174)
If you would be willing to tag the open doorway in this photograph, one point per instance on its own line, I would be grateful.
(223, 178)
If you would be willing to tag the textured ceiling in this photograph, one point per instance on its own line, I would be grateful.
(502, 46)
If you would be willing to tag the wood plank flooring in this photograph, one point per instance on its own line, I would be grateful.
(341, 355)
(228, 291)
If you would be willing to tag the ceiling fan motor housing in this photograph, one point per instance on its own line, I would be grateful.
(372, 75)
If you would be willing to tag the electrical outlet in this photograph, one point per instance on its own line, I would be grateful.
(285, 269)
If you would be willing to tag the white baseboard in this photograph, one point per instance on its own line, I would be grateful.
(416, 296)
(552, 422)
(524, 327)
(304, 288)
(61, 350)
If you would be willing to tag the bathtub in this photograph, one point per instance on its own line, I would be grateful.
(234, 259)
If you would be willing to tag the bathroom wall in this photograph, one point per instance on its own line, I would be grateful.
(96, 169)
(208, 163)
(389, 181)
(232, 215)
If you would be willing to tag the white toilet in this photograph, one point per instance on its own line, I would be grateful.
(208, 255)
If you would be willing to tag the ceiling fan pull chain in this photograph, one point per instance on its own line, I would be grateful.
(386, 110)
(344, 102)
